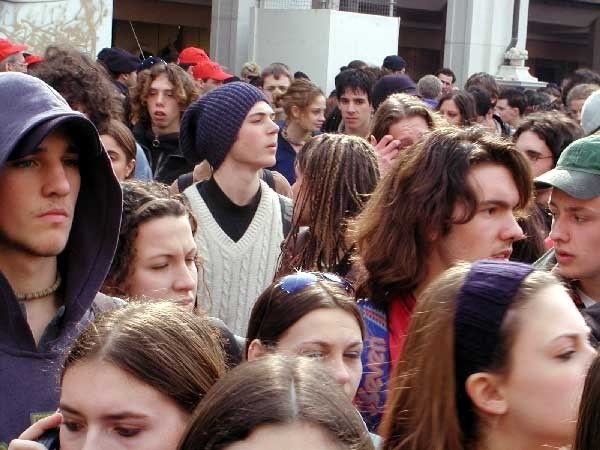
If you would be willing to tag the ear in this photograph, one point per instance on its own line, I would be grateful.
(256, 350)
(295, 111)
(130, 167)
(486, 393)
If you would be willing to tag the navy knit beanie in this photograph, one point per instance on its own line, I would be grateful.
(210, 125)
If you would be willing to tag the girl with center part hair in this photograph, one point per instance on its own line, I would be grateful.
(286, 402)
(304, 107)
(314, 315)
(495, 358)
(132, 379)
(458, 108)
(399, 122)
(335, 176)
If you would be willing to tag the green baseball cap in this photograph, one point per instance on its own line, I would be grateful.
(577, 171)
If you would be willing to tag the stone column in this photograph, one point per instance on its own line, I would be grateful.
(477, 34)
(229, 30)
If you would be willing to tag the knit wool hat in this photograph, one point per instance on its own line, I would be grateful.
(392, 84)
(210, 125)
(590, 114)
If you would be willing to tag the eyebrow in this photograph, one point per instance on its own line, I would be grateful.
(499, 203)
(117, 416)
(261, 114)
(325, 344)
(576, 208)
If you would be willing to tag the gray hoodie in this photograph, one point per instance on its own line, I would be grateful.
(30, 110)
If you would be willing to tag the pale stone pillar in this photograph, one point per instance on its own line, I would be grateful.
(477, 34)
(229, 30)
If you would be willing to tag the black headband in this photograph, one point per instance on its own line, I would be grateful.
(484, 297)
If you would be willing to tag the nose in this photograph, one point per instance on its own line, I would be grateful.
(558, 233)
(93, 441)
(56, 182)
(186, 278)
(274, 127)
(512, 232)
(160, 98)
(339, 371)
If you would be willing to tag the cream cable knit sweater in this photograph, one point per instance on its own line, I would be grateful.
(235, 273)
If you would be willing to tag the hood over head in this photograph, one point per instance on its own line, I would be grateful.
(31, 111)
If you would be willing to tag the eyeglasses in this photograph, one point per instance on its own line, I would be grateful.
(149, 62)
(535, 156)
(296, 281)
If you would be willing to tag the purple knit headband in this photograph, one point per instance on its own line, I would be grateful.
(484, 297)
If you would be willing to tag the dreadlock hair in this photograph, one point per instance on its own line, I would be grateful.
(339, 172)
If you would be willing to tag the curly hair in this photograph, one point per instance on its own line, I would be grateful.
(400, 106)
(85, 85)
(417, 198)
(142, 202)
(184, 89)
(339, 173)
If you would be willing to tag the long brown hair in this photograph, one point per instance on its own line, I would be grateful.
(339, 173)
(417, 198)
(301, 93)
(173, 351)
(400, 106)
(588, 435)
(274, 390)
(422, 409)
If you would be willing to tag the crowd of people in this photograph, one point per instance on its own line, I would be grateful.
(195, 260)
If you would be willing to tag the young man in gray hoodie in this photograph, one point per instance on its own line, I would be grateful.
(61, 208)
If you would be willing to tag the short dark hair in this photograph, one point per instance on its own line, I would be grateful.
(274, 390)
(556, 129)
(515, 99)
(446, 71)
(483, 102)
(483, 81)
(355, 80)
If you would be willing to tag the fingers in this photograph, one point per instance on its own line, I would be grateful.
(37, 429)
(20, 444)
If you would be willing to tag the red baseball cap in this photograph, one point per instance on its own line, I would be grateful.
(191, 56)
(30, 58)
(7, 48)
(209, 69)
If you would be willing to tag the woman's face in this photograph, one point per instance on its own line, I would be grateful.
(164, 262)
(118, 157)
(549, 360)
(312, 117)
(296, 435)
(408, 130)
(450, 111)
(104, 408)
(333, 338)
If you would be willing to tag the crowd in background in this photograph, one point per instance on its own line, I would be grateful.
(191, 259)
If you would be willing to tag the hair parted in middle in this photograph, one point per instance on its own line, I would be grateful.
(274, 390)
(184, 88)
(400, 106)
(173, 351)
(465, 104)
(416, 199)
(339, 173)
(423, 411)
(142, 202)
(276, 310)
(301, 94)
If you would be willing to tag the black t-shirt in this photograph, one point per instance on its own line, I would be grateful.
(234, 220)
